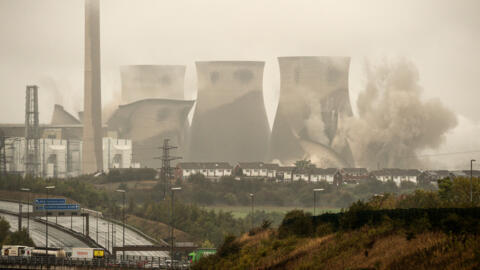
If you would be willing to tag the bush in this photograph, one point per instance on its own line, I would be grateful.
(297, 223)
(229, 246)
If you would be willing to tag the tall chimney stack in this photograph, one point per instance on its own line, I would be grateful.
(92, 116)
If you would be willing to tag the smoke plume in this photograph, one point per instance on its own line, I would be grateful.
(393, 122)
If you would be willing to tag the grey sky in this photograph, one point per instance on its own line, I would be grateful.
(41, 42)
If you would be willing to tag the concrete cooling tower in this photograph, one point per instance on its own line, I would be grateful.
(152, 81)
(148, 122)
(230, 122)
(314, 101)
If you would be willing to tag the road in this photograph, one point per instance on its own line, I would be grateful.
(104, 228)
(56, 238)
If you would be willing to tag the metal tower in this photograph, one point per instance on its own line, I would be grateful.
(3, 155)
(166, 170)
(31, 158)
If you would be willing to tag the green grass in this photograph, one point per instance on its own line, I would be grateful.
(243, 211)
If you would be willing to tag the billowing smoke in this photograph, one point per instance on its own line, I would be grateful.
(393, 123)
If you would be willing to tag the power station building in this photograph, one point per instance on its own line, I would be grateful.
(230, 121)
(314, 103)
(63, 158)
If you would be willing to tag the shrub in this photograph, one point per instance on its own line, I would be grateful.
(296, 223)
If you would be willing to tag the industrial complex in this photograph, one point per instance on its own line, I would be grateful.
(228, 120)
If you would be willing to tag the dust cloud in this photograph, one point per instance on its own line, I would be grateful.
(394, 123)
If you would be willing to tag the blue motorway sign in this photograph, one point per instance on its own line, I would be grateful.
(50, 201)
(57, 207)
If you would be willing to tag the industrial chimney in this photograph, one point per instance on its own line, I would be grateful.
(92, 116)
(230, 121)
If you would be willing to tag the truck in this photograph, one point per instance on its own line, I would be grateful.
(88, 253)
(195, 256)
(13, 250)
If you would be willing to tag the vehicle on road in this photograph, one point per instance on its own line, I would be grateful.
(12, 250)
(51, 252)
(88, 253)
(195, 256)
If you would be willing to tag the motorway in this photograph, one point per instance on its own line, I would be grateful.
(57, 238)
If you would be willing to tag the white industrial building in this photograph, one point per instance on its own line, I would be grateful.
(62, 158)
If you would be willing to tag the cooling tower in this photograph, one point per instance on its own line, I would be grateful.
(314, 101)
(92, 159)
(152, 81)
(148, 122)
(230, 122)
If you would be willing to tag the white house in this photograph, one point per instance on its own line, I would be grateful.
(258, 169)
(319, 174)
(284, 174)
(397, 175)
(213, 170)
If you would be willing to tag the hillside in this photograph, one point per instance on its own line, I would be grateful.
(361, 249)
(157, 230)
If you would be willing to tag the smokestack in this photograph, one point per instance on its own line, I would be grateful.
(314, 100)
(152, 81)
(92, 116)
(230, 121)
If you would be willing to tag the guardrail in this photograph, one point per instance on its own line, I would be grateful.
(140, 262)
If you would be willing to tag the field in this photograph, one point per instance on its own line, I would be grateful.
(243, 211)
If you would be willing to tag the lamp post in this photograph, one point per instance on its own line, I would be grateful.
(173, 189)
(471, 180)
(123, 217)
(46, 220)
(315, 190)
(252, 197)
(28, 208)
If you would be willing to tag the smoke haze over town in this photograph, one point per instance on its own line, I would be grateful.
(424, 51)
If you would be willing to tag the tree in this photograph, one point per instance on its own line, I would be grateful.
(19, 238)
(4, 229)
(304, 164)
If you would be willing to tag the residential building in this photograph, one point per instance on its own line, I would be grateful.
(213, 170)
(258, 169)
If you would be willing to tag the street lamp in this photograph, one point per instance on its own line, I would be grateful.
(471, 180)
(315, 190)
(123, 214)
(252, 197)
(28, 208)
(46, 220)
(173, 189)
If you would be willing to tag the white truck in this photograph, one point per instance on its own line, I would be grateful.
(88, 253)
(13, 250)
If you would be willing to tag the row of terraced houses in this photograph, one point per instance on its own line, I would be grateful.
(261, 170)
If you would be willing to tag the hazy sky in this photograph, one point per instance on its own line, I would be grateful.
(41, 42)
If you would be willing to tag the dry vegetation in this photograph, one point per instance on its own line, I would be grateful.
(367, 248)
(157, 230)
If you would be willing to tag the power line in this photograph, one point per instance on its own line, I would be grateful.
(166, 170)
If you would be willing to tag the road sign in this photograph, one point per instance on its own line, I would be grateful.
(50, 201)
(57, 207)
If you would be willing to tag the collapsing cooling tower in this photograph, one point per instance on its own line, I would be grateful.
(230, 122)
(152, 81)
(148, 122)
(314, 102)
